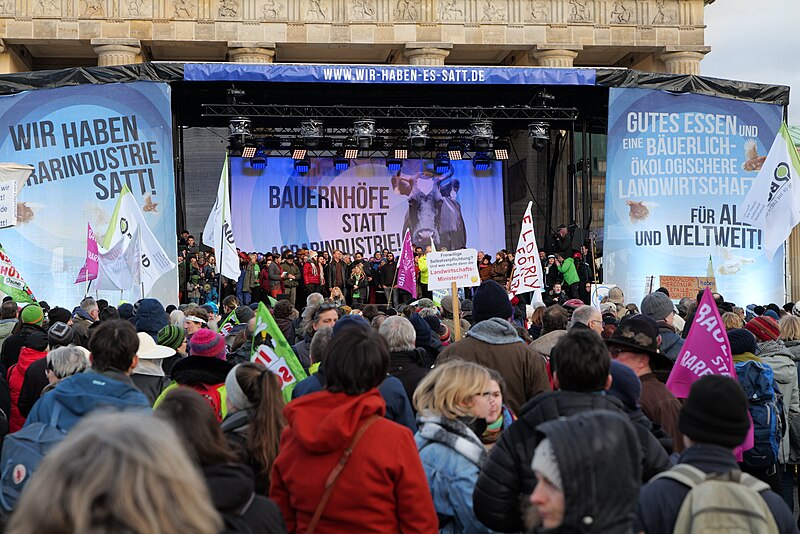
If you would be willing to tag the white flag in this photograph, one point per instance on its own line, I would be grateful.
(527, 265)
(773, 202)
(218, 233)
(120, 267)
(125, 222)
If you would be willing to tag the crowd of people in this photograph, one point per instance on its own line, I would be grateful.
(551, 417)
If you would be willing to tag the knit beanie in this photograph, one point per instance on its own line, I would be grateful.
(715, 412)
(625, 385)
(772, 314)
(171, 336)
(545, 463)
(60, 335)
(423, 331)
(235, 397)
(491, 300)
(59, 315)
(207, 343)
(742, 341)
(32, 314)
(657, 305)
(763, 327)
(348, 321)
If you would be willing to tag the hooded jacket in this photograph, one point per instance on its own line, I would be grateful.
(506, 479)
(16, 377)
(150, 317)
(660, 500)
(793, 348)
(406, 366)
(232, 493)
(13, 344)
(775, 354)
(6, 328)
(382, 488)
(494, 343)
(592, 449)
(83, 393)
(194, 370)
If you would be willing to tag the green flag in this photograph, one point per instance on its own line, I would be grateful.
(11, 282)
(272, 301)
(230, 321)
(271, 349)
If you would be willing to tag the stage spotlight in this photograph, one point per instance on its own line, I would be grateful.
(364, 131)
(302, 166)
(312, 131)
(239, 126)
(481, 161)
(441, 164)
(482, 134)
(455, 151)
(259, 160)
(501, 150)
(539, 134)
(299, 153)
(400, 153)
(418, 133)
(249, 150)
(394, 164)
(340, 163)
(350, 148)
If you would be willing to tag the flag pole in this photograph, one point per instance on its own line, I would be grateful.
(221, 236)
(399, 257)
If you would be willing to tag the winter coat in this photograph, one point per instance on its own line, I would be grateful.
(16, 375)
(151, 386)
(81, 321)
(660, 500)
(330, 274)
(383, 487)
(303, 351)
(661, 407)
(506, 480)
(544, 343)
(263, 279)
(494, 343)
(398, 407)
(407, 367)
(567, 268)
(452, 456)
(235, 427)
(500, 270)
(775, 354)
(671, 342)
(195, 370)
(250, 278)
(598, 456)
(387, 274)
(286, 326)
(422, 263)
(83, 393)
(233, 495)
(311, 274)
(9, 354)
(291, 268)
(275, 280)
(485, 272)
(793, 348)
(6, 328)
(32, 385)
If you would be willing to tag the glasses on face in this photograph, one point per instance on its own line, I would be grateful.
(616, 351)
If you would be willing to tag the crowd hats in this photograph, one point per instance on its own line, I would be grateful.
(59, 315)
(715, 412)
(207, 343)
(60, 334)
(32, 314)
(148, 350)
(491, 300)
(616, 296)
(636, 334)
(657, 305)
(171, 336)
(742, 341)
(764, 328)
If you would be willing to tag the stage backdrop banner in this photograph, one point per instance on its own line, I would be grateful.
(679, 168)
(85, 143)
(365, 208)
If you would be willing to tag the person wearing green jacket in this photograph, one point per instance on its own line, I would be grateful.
(422, 263)
(571, 279)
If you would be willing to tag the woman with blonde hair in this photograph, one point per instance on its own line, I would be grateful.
(336, 298)
(120, 472)
(732, 321)
(453, 402)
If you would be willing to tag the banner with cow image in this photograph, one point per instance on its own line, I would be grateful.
(679, 169)
(366, 207)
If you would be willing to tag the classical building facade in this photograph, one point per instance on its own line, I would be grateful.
(655, 35)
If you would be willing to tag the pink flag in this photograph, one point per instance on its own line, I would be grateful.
(707, 350)
(89, 269)
(406, 275)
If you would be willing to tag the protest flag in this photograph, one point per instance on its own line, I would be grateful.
(271, 349)
(11, 282)
(406, 274)
(527, 265)
(773, 202)
(89, 270)
(227, 325)
(120, 267)
(125, 221)
(218, 232)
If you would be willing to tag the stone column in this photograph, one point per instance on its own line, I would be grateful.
(556, 56)
(427, 53)
(684, 59)
(251, 52)
(116, 51)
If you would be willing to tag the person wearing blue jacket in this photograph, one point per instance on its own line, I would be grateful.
(452, 404)
(107, 385)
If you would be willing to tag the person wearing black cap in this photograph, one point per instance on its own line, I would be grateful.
(635, 344)
(493, 342)
(713, 421)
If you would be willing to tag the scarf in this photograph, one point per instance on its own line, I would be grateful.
(493, 430)
(453, 434)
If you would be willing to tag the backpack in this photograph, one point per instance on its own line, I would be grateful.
(23, 452)
(212, 393)
(721, 502)
(766, 411)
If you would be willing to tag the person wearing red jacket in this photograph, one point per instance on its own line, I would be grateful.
(382, 486)
(312, 274)
(35, 349)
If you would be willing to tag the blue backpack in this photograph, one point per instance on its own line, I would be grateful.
(766, 409)
(23, 452)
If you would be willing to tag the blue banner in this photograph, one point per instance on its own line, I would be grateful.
(84, 144)
(679, 168)
(403, 74)
(365, 207)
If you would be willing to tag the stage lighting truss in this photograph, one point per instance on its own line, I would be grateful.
(364, 132)
(239, 127)
(482, 134)
(481, 161)
(312, 130)
(419, 133)
(258, 160)
(302, 166)
(539, 134)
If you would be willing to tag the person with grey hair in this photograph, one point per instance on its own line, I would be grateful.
(587, 317)
(63, 362)
(405, 359)
(319, 343)
(82, 318)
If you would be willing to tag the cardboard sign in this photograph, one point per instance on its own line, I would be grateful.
(687, 286)
(459, 266)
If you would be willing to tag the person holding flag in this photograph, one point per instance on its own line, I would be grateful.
(270, 348)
